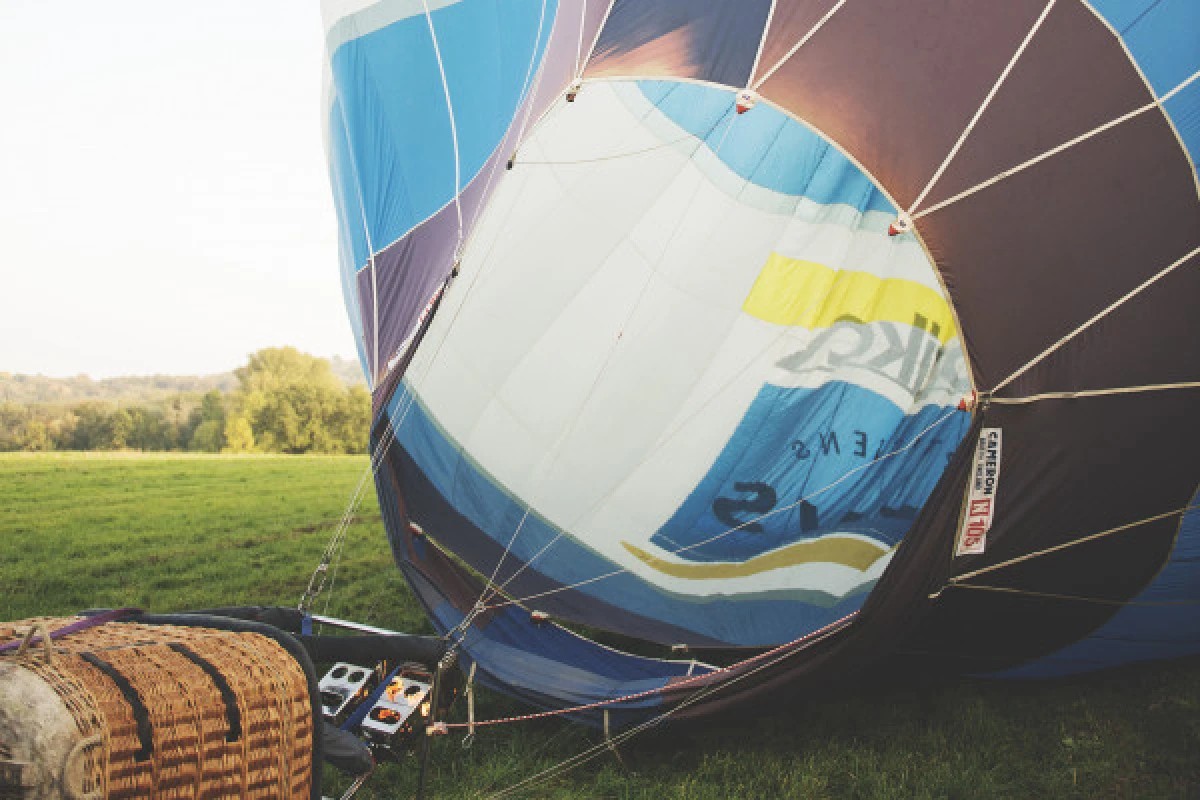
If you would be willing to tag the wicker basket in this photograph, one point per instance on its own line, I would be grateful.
(166, 711)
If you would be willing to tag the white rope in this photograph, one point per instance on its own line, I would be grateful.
(316, 582)
(1074, 597)
(796, 47)
(1012, 62)
(437, 52)
(595, 40)
(579, 44)
(1064, 546)
(704, 691)
(1101, 315)
(762, 41)
(1154, 387)
(1083, 137)
(741, 526)
(613, 156)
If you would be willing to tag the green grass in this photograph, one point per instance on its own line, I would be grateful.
(171, 532)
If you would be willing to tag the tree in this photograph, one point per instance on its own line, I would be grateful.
(239, 436)
(209, 437)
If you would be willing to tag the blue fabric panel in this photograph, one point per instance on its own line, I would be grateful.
(1164, 38)
(766, 147)
(1162, 35)
(400, 148)
(748, 620)
(1161, 622)
(550, 668)
(346, 192)
(795, 442)
(542, 664)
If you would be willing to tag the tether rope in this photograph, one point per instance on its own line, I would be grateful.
(1074, 597)
(687, 681)
(1082, 393)
(701, 693)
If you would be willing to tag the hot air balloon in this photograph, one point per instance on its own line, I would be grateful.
(818, 332)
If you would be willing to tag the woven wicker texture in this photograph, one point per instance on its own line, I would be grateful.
(195, 751)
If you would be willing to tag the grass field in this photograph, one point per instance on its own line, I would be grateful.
(170, 532)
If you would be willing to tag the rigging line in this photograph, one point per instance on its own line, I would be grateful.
(338, 541)
(701, 677)
(437, 52)
(762, 40)
(662, 442)
(529, 102)
(1073, 597)
(579, 44)
(1008, 173)
(1099, 316)
(803, 41)
(700, 694)
(957, 579)
(987, 101)
(362, 209)
(595, 40)
(742, 525)
(1153, 387)
(561, 440)
(613, 156)
(316, 582)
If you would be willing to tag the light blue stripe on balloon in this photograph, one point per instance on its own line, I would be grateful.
(1164, 38)
(1162, 35)
(766, 147)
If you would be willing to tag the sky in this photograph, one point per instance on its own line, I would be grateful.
(164, 199)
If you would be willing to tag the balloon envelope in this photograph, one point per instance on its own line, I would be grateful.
(837, 331)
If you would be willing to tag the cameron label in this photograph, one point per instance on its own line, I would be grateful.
(981, 496)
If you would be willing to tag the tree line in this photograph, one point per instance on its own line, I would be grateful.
(284, 401)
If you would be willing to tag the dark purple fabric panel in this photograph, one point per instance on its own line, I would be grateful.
(1069, 469)
(894, 82)
(407, 273)
(1073, 468)
(790, 22)
(1071, 79)
(1030, 258)
(706, 40)
(1152, 339)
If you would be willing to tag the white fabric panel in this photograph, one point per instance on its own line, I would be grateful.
(593, 355)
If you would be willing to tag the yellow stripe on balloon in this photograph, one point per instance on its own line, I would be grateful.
(845, 550)
(805, 294)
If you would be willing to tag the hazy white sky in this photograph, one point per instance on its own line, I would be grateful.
(164, 201)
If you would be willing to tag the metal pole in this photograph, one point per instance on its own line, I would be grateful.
(426, 743)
